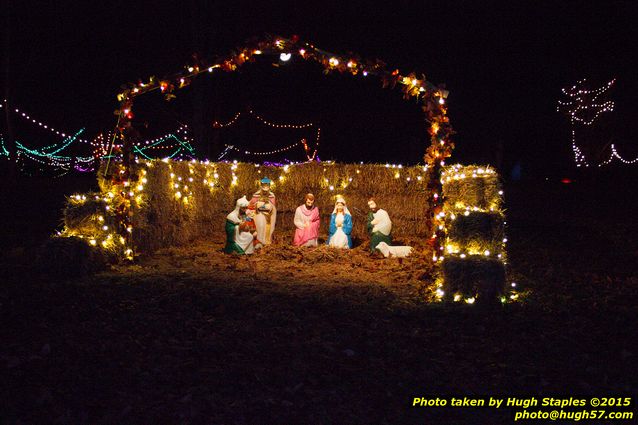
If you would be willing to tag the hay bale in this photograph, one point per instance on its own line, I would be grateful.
(471, 186)
(164, 218)
(474, 264)
(82, 215)
(476, 232)
(475, 276)
(69, 257)
(93, 217)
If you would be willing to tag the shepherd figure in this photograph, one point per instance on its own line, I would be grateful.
(379, 225)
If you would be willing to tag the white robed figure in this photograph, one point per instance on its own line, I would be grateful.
(340, 226)
(239, 239)
(264, 212)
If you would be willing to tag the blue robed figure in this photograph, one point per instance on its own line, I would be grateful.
(340, 226)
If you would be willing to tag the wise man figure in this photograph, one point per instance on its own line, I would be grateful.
(379, 225)
(264, 212)
(307, 222)
(239, 238)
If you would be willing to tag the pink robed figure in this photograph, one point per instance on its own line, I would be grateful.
(307, 222)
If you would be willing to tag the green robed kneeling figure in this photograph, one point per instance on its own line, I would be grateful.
(379, 225)
(239, 233)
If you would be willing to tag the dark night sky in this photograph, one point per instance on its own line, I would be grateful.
(504, 64)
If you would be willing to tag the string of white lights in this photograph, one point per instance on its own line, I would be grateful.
(584, 108)
(271, 124)
(284, 149)
(264, 121)
(217, 124)
(41, 124)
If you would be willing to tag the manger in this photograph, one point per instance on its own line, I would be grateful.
(453, 213)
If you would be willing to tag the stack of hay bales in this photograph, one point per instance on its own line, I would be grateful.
(473, 264)
(93, 218)
(175, 202)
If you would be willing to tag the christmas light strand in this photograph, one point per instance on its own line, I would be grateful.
(584, 108)
(41, 124)
(262, 120)
(284, 149)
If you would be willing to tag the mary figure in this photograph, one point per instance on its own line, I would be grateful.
(340, 226)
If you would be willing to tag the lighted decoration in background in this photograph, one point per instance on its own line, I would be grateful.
(583, 108)
(182, 148)
(302, 142)
(217, 124)
(49, 159)
(263, 153)
(39, 123)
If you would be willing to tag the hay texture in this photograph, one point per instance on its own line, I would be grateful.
(94, 218)
(473, 278)
(473, 267)
(172, 203)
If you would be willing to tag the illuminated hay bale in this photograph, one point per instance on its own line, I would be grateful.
(477, 232)
(93, 217)
(472, 186)
(473, 264)
(175, 202)
(81, 213)
(473, 278)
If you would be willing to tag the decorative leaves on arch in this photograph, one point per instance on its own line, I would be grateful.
(430, 97)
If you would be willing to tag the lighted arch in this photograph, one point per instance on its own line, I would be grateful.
(431, 98)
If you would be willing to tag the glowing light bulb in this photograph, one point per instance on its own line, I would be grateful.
(285, 57)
